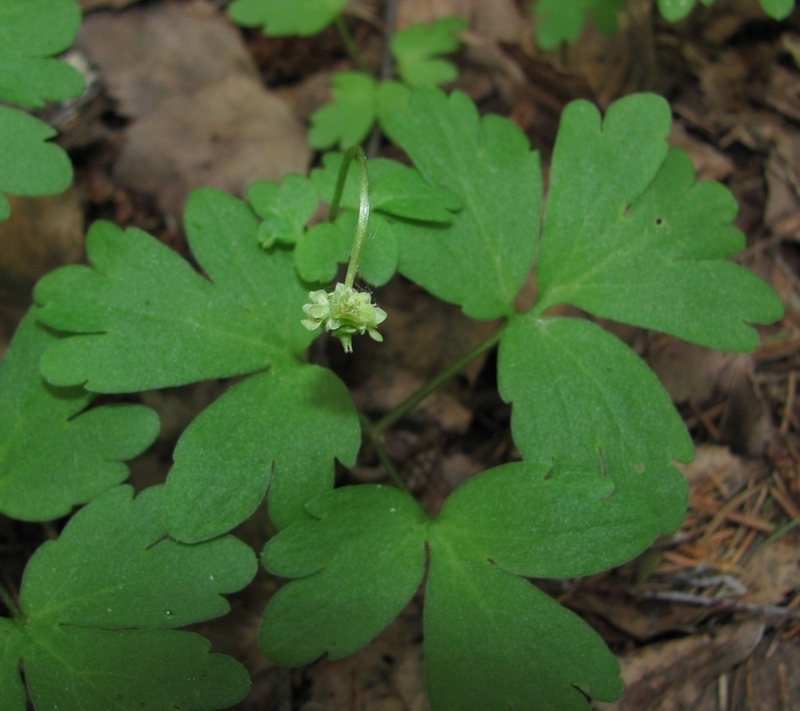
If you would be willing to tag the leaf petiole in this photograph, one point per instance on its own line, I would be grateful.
(350, 44)
(416, 398)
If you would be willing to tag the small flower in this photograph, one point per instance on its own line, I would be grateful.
(345, 312)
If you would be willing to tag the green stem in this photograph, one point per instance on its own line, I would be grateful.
(11, 604)
(375, 440)
(350, 45)
(363, 207)
(412, 401)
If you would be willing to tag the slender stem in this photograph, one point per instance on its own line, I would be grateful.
(412, 401)
(363, 206)
(375, 440)
(350, 44)
(387, 67)
(11, 604)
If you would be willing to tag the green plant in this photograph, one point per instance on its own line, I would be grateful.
(359, 100)
(30, 33)
(636, 241)
(560, 21)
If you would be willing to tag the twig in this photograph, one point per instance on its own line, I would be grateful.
(387, 67)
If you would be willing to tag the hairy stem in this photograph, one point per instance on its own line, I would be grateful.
(10, 603)
(413, 400)
(374, 438)
(350, 45)
(363, 207)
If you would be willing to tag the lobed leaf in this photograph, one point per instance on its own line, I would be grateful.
(415, 49)
(98, 604)
(279, 18)
(584, 402)
(560, 21)
(480, 260)
(54, 453)
(146, 319)
(636, 240)
(284, 208)
(358, 564)
(346, 121)
(30, 33)
(29, 165)
(280, 429)
(394, 189)
(495, 642)
(320, 251)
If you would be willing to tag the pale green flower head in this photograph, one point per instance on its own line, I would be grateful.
(344, 312)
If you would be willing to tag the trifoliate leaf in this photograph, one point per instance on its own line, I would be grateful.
(560, 21)
(358, 563)
(379, 254)
(52, 455)
(777, 9)
(495, 642)
(638, 241)
(280, 429)
(320, 251)
(394, 189)
(584, 402)
(29, 165)
(346, 121)
(279, 17)
(30, 33)
(416, 48)
(100, 601)
(147, 319)
(284, 208)
(482, 259)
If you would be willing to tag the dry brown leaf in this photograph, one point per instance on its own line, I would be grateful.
(149, 54)
(672, 676)
(203, 118)
(42, 233)
(771, 573)
(226, 136)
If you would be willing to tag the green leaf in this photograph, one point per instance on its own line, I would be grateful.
(495, 642)
(394, 189)
(638, 241)
(104, 640)
(280, 429)
(320, 251)
(285, 209)
(560, 21)
(379, 254)
(12, 691)
(584, 402)
(53, 455)
(147, 319)
(416, 47)
(30, 33)
(346, 121)
(279, 18)
(358, 563)
(29, 165)
(482, 259)
(674, 10)
(777, 9)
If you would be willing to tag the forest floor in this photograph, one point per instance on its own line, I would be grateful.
(708, 618)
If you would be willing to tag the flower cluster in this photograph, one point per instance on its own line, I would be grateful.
(344, 312)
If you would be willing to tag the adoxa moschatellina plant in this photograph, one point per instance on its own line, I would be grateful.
(627, 234)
